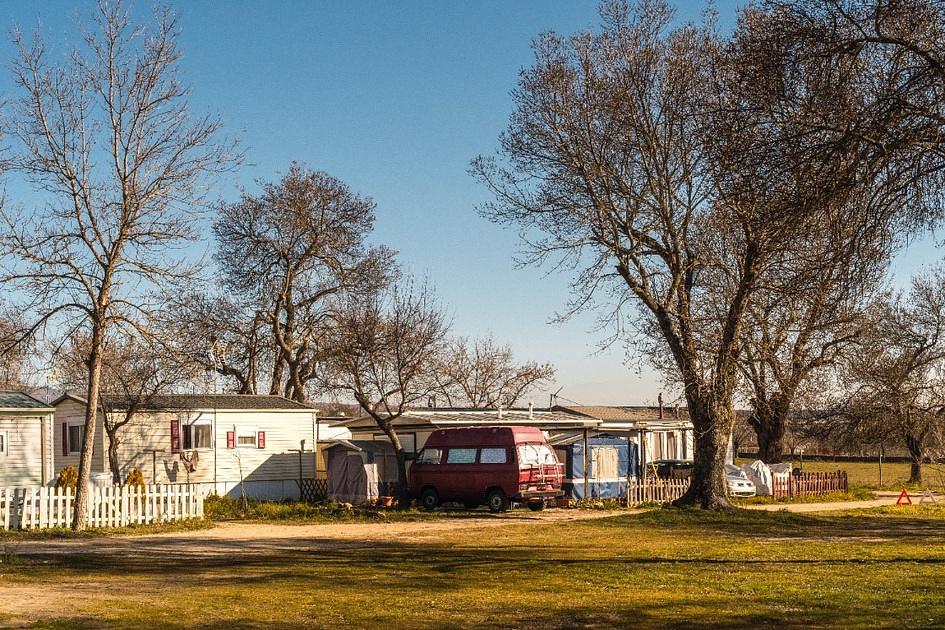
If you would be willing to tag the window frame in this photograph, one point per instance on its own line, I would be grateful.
(246, 432)
(439, 460)
(451, 450)
(81, 428)
(188, 432)
(504, 450)
(4, 443)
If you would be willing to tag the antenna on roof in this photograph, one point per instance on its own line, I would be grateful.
(531, 410)
(553, 398)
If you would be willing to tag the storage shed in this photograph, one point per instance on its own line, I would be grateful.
(360, 470)
(609, 461)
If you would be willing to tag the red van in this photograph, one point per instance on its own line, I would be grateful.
(491, 465)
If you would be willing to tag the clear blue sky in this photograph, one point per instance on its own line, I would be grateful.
(395, 99)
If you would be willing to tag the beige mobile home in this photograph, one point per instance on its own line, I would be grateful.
(215, 440)
(26, 457)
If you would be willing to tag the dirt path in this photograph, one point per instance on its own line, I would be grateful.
(883, 498)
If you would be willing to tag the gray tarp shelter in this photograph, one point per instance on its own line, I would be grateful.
(358, 469)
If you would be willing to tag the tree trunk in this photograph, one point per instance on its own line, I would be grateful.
(708, 489)
(113, 464)
(917, 453)
(91, 413)
(403, 491)
(770, 427)
(275, 385)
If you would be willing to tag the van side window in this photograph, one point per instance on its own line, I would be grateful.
(461, 456)
(492, 456)
(429, 456)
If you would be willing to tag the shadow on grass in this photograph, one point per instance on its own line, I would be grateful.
(554, 575)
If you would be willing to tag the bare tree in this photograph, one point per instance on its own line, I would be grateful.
(292, 249)
(15, 352)
(384, 348)
(134, 371)
(675, 173)
(481, 374)
(220, 334)
(107, 138)
(805, 325)
(897, 375)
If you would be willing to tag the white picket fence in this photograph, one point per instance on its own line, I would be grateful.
(655, 490)
(112, 506)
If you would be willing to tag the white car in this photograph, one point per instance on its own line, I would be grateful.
(739, 485)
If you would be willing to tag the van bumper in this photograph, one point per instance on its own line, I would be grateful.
(531, 495)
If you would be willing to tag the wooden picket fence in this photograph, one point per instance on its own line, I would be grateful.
(655, 490)
(809, 484)
(112, 506)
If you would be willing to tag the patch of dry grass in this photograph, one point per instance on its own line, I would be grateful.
(678, 568)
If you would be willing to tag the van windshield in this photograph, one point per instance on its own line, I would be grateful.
(535, 455)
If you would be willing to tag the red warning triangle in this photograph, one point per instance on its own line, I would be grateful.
(904, 499)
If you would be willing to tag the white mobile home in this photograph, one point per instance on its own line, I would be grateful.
(26, 455)
(216, 440)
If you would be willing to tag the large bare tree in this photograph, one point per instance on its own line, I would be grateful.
(106, 138)
(896, 378)
(676, 173)
(481, 374)
(292, 249)
(384, 350)
(803, 323)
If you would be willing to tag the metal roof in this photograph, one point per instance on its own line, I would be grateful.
(21, 400)
(449, 417)
(627, 413)
(248, 402)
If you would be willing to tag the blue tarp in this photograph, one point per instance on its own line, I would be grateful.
(610, 483)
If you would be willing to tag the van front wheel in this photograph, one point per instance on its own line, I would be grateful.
(429, 499)
(497, 501)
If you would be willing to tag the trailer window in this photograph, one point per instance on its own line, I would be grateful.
(430, 456)
(198, 435)
(76, 437)
(535, 455)
(492, 456)
(461, 456)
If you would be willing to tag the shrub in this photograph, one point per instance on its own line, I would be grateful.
(68, 478)
(135, 479)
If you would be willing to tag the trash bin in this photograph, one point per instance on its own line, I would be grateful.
(100, 480)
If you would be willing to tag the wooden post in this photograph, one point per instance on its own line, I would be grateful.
(880, 465)
(586, 466)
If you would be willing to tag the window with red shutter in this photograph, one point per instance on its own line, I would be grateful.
(261, 439)
(231, 439)
(175, 436)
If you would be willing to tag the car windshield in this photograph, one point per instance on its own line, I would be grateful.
(535, 455)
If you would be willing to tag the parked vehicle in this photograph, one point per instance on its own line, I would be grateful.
(492, 465)
(739, 485)
(672, 468)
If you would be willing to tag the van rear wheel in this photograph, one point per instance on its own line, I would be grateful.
(429, 499)
(536, 506)
(497, 501)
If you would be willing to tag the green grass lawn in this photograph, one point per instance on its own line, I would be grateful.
(682, 569)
